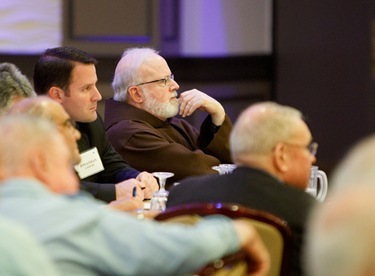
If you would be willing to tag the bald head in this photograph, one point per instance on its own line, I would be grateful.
(273, 138)
(261, 126)
(45, 107)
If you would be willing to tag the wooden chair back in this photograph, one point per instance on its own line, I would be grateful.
(274, 231)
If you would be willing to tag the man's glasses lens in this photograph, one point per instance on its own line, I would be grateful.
(313, 148)
(167, 80)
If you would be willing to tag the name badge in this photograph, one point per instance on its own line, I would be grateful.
(90, 163)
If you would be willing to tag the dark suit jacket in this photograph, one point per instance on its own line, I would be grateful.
(102, 184)
(255, 189)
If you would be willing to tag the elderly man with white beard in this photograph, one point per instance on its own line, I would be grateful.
(141, 124)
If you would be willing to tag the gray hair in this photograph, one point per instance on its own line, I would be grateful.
(13, 84)
(127, 71)
(41, 134)
(36, 106)
(260, 127)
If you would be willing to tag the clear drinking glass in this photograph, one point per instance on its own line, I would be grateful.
(159, 198)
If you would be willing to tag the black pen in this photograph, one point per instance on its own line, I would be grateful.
(134, 191)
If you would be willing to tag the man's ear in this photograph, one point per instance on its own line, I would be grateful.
(280, 158)
(56, 93)
(39, 165)
(135, 94)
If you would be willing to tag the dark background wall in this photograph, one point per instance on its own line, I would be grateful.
(324, 67)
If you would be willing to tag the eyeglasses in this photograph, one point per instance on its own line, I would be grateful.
(312, 147)
(163, 82)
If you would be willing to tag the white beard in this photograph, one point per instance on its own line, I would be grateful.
(161, 110)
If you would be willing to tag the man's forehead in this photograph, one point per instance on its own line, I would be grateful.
(301, 130)
(80, 70)
(155, 64)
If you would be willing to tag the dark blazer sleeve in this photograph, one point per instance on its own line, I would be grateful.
(103, 191)
(102, 184)
(216, 143)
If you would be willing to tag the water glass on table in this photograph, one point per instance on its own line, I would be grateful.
(159, 198)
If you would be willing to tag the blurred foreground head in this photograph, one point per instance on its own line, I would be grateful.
(341, 238)
(45, 107)
(356, 167)
(32, 147)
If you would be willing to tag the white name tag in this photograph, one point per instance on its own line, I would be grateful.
(90, 163)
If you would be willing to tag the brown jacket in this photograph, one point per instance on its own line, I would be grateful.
(149, 144)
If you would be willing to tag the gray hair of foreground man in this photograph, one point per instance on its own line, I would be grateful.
(41, 135)
(13, 86)
(42, 155)
(258, 134)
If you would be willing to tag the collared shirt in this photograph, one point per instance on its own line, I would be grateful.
(86, 238)
(20, 253)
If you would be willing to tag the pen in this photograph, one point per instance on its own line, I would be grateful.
(134, 191)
